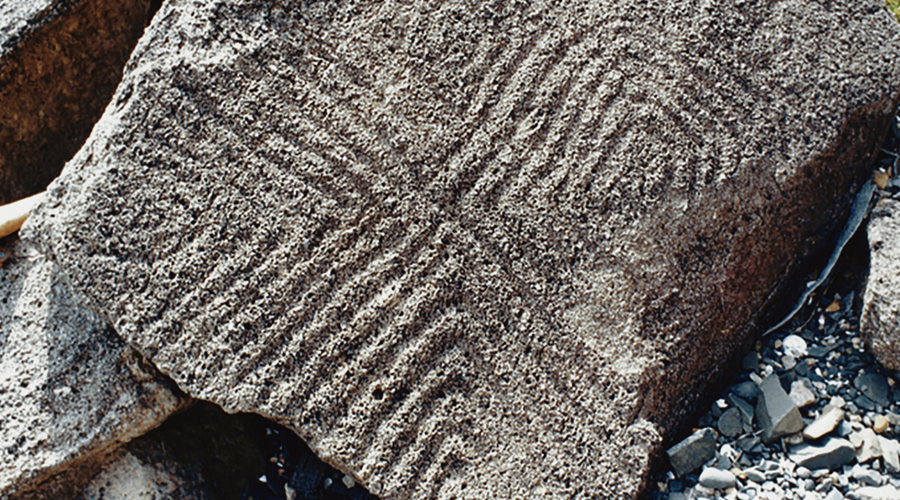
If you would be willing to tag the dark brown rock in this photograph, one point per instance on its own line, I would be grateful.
(60, 61)
(469, 250)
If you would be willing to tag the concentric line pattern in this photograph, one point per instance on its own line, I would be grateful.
(426, 235)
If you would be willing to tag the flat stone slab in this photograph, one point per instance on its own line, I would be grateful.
(72, 391)
(830, 453)
(880, 319)
(478, 251)
(60, 62)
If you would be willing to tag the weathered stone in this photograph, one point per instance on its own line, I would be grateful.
(475, 250)
(890, 453)
(874, 387)
(712, 477)
(886, 492)
(72, 391)
(869, 447)
(880, 318)
(693, 451)
(775, 411)
(866, 475)
(730, 423)
(802, 392)
(59, 65)
(830, 418)
(829, 454)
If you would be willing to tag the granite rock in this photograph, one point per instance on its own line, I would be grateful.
(880, 319)
(60, 62)
(474, 249)
(72, 391)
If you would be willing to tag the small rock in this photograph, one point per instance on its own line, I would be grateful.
(831, 453)
(348, 481)
(794, 345)
(717, 478)
(745, 408)
(866, 476)
(731, 423)
(869, 447)
(831, 417)
(802, 392)
(886, 492)
(890, 452)
(775, 411)
(874, 387)
(803, 472)
(755, 475)
(834, 494)
(693, 451)
(745, 390)
(880, 424)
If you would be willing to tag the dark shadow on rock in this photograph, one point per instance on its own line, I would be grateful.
(60, 62)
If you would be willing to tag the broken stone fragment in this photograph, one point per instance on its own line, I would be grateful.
(775, 411)
(868, 446)
(730, 423)
(886, 492)
(830, 418)
(828, 454)
(890, 453)
(874, 387)
(72, 390)
(693, 451)
(802, 392)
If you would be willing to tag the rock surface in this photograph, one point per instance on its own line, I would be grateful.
(471, 251)
(72, 392)
(60, 62)
(693, 451)
(880, 321)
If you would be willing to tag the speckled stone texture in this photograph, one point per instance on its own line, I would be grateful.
(60, 62)
(71, 392)
(469, 249)
(880, 319)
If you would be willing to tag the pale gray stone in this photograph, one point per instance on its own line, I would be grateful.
(776, 411)
(712, 477)
(72, 392)
(500, 245)
(869, 447)
(880, 317)
(866, 476)
(828, 454)
(802, 392)
(886, 492)
(830, 418)
(60, 62)
(890, 452)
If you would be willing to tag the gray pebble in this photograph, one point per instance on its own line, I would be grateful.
(731, 422)
(803, 472)
(866, 476)
(755, 475)
(717, 478)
